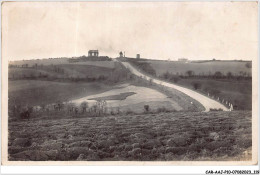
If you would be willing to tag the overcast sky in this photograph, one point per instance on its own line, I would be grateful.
(157, 30)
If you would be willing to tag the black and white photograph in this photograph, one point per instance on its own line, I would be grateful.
(129, 82)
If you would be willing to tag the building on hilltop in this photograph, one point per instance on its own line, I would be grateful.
(121, 54)
(185, 60)
(138, 56)
(93, 53)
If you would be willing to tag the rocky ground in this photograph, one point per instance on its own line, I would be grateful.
(163, 136)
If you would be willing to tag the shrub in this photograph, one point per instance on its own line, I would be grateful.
(146, 108)
(70, 107)
(84, 106)
(161, 109)
(190, 73)
(196, 85)
(218, 74)
(112, 112)
(150, 81)
(118, 110)
(166, 75)
(26, 113)
(214, 92)
(175, 79)
(129, 112)
(215, 109)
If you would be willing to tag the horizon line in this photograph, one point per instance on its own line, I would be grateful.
(174, 59)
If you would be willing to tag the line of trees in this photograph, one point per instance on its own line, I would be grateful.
(86, 58)
(26, 112)
(217, 75)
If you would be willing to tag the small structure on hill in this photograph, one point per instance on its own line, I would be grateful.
(183, 60)
(138, 56)
(93, 53)
(121, 54)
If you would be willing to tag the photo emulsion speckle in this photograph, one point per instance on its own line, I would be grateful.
(166, 82)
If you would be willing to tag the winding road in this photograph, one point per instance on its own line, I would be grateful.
(204, 100)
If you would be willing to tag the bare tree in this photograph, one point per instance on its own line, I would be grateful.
(229, 75)
(218, 74)
(189, 73)
(84, 106)
(146, 108)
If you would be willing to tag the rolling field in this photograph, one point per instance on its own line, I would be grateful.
(123, 97)
(106, 64)
(45, 62)
(79, 70)
(239, 93)
(36, 92)
(59, 61)
(163, 136)
(200, 68)
(61, 71)
(16, 73)
(132, 133)
(134, 99)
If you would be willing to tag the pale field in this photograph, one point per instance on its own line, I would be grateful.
(135, 102)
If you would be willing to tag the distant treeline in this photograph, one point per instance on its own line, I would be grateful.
(217, 75)
(49, 61)
(60, 79)
(93, 58)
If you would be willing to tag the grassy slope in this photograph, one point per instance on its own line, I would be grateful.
(239, 93)
(34, 92)
(59, 61)
(70, 70)
(163, 136)
(85, 70)
(28, 72)
(55, 61)
(106, 64)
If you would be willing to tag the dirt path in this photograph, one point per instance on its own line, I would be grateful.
(204, 100)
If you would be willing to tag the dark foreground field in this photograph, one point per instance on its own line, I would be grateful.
(164, 136)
